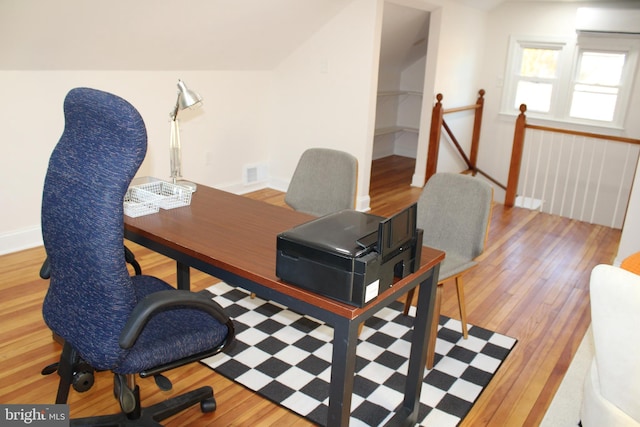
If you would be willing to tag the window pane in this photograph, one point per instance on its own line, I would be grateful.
(593, 105)
(537, 96)
(539, 62)
(601, 68)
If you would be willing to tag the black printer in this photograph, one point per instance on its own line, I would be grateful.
(350, 256)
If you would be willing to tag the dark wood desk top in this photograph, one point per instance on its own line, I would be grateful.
(238, 234)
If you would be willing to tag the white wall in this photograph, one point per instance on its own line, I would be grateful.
(321, 95)
(230, 126)
(324, 95)
(457, 79)
(507, 19)
(460, 54)
(549, 19)
(454, 57)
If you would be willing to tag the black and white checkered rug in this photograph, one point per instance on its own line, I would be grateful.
(286, 357)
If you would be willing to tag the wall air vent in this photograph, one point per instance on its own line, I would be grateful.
(254, 173)
(597, 20)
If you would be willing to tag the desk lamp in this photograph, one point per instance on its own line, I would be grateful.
(186, 99)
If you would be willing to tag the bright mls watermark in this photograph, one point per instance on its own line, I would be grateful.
(34, 415)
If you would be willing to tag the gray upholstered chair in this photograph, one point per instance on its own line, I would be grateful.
(454, 211)
(108, 319)
(612, 384)
(324, 182)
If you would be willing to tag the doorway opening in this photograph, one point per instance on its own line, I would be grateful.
(401, 74)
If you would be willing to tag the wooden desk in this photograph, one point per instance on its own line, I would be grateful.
(234, 239)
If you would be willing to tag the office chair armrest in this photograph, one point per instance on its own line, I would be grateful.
(45, 270)
(162, 300)
(131, 259)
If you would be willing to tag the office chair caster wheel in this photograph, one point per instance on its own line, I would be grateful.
(82, 381)
(208, 405)
(83, 377)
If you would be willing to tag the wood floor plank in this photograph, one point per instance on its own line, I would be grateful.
(531, 284)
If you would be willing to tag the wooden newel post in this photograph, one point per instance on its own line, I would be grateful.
(434, 138)
(516, 157)
(475, 138)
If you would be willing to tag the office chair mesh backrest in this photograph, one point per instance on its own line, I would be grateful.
(324, 182)
(91, 293)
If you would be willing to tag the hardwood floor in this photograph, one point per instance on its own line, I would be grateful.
(531, 284)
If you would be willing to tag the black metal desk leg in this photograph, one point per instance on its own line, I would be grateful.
(345, 339)
(183, 274)
(419, 343)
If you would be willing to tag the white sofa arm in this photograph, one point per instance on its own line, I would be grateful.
(615, 373)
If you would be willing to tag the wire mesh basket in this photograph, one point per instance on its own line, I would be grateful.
(147, 198)
(139, 202)
(171, 195)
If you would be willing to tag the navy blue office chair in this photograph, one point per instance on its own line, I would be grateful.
(108, 319)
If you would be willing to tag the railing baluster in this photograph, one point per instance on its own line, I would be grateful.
(545, 182)
(586, 182)
(538, 160)
(571, 175)
(599, 181)
(556, 177)
(620, 184)
(568, 175)
(577, 183)
(527, 163)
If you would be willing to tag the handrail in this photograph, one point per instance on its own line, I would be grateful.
(585, 134)
(465, 108)
(521, 126)
(438, 123)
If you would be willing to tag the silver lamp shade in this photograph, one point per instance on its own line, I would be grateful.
(187, 98)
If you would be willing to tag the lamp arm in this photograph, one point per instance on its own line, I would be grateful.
(174, 113)
(175, 151)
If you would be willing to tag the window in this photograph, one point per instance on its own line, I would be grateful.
(586, 80)
(538, 74)
(596, 85)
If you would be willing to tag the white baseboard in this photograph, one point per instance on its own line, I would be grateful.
(31, 237)
(363, 203)
(417, 180)
(240, 188)
(18, 240)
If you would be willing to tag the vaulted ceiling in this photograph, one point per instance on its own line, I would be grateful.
(156, 34)
(166, 35)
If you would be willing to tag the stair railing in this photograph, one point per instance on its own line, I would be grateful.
(580, 175)
(438, 123)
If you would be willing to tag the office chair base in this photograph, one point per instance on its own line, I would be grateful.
(152, 415)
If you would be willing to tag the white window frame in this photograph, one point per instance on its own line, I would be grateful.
(517, 44)
(570, 50)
